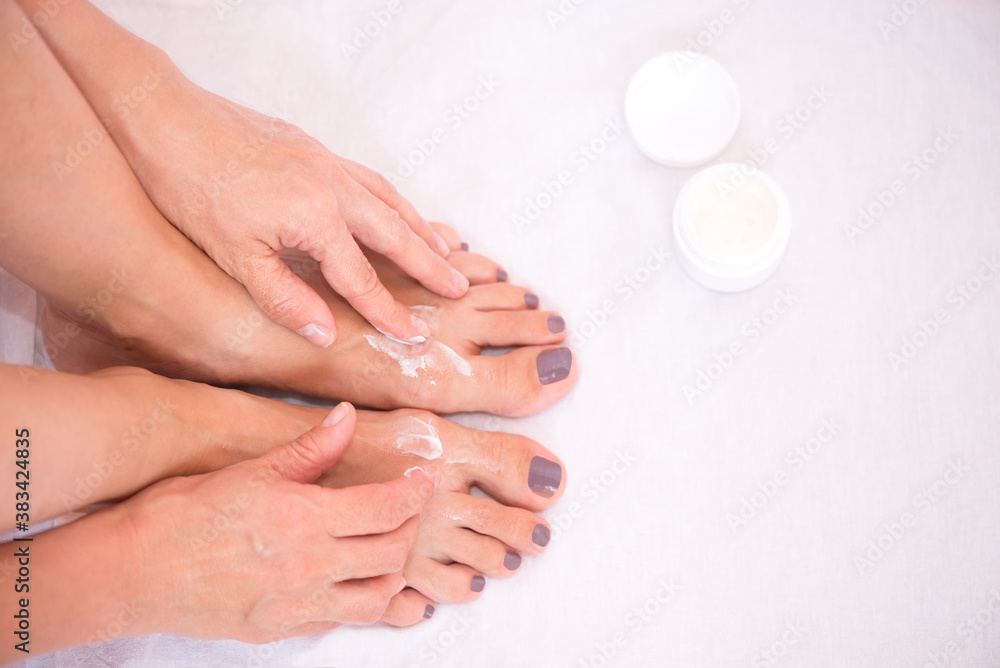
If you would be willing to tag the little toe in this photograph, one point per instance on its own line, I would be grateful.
(445, 583)
(521, 529)
(407, 608)
(477, 268)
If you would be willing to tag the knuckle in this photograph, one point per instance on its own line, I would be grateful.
(396, 236)
(367, 285)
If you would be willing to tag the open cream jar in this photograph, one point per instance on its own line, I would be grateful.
(731, 227)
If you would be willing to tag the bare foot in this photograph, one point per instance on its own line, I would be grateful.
(463, 539)
(216, 334)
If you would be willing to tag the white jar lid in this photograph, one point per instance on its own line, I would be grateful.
(682, 109)
(731, 227)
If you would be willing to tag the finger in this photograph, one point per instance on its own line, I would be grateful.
(377, 508)
(363, 601)
(310, 455)
(360, 557)
(407, 608)
(286, 299)
(352, 277)
(380, 187)
(380, 228)
(451, 237)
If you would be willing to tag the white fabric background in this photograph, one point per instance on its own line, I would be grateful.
(664, 517)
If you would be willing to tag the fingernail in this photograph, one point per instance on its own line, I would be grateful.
(465, 246)
(501, 276)
(544, 476)
(541, 535)
(431, 472)
(442, 245)
(317, 334)
(530, 300)
(336, 415)
(459, 279)
(554, 365)
(556, 324)
(423, 329)
(478, 582)
(428, 611)
(512, 561)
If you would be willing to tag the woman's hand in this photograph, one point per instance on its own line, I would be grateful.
(244, 186)
(256, 552)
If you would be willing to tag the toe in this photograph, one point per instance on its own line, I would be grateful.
(521, 529)
(501, 297)
(451, 583)
(483, 553)
(407, 608)
(513, 469)
(518, 328)
(521, 382)
(450, 236)
(477, 268)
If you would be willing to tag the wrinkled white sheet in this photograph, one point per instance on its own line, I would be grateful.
(878, 548)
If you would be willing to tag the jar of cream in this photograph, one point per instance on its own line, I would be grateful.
(731, 227)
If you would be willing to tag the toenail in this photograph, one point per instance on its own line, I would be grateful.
(465, 246)
(530, 300)
(554, 365)
(501, 276)
(540, 535)
(544, 477)
(428, 611)
(556, 324)
(478, 582)
(512, 561)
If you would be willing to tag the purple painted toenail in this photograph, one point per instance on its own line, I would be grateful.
(501, 276)
(540, 535)
(465, 246)
(553, 365)
(478, 582)
(428, 611)
(530, 300)
(512, 561)
(544, 477)
(556, 324)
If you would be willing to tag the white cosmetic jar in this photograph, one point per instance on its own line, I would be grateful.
(731, 227)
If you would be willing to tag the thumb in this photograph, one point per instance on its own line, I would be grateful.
(287, 300)
(309, 456)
